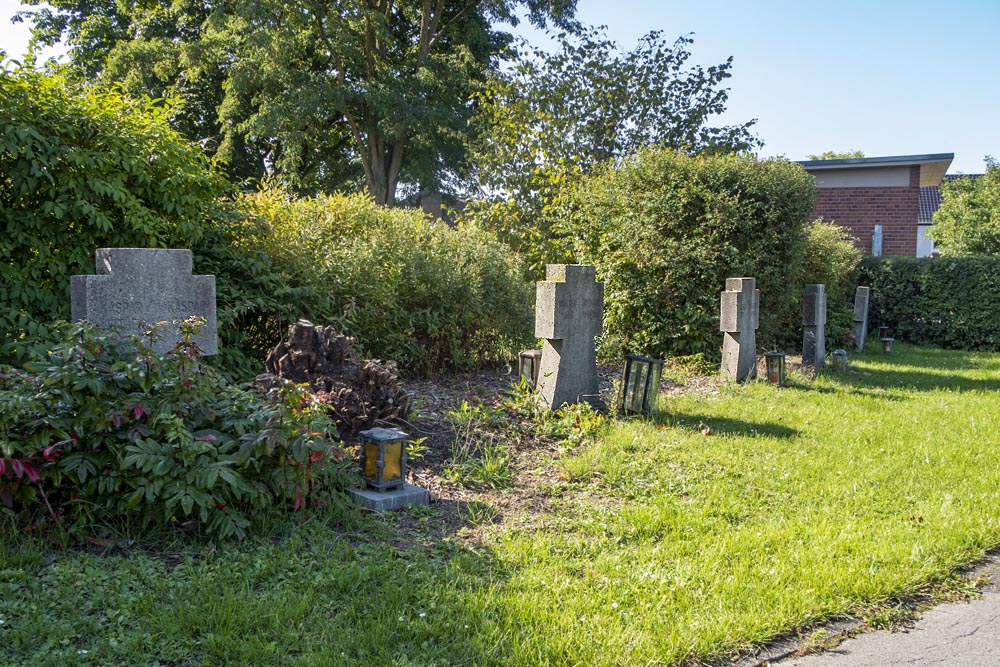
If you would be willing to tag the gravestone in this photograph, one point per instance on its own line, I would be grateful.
(569, 310)
(814, 320)
(136, 288)
(861, 316)
(739, 317)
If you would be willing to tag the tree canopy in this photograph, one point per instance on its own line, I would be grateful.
(834, 155)
(968, 220)
(552, 117)
(323, 95)
(553, 114)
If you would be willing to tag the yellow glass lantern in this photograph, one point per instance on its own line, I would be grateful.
(383, 458)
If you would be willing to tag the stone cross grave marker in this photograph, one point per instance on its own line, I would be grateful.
(814, 320)
(861, 316)
(569, 311)
(739, 317)
(136, 288)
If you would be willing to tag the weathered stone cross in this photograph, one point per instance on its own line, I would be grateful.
(739, 317)
(139, 287)
(569, 309)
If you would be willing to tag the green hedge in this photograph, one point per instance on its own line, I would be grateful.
(665, 230)
(948, 302)
(430, 296)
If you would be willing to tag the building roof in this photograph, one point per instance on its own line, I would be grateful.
(930, 198)
(933, 165)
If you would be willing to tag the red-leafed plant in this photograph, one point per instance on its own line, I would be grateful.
(101, 427)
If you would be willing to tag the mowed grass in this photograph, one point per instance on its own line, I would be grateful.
(725, 521)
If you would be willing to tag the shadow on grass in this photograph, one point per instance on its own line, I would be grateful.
(380, 594)
(724, 425)
(946, 370)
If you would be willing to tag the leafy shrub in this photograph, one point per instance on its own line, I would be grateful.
(85, 169)
(831, 259)
(665, 230)
(408, 288)
(102, 429)
(945, 301)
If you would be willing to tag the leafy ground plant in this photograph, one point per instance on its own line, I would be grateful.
(101, 428)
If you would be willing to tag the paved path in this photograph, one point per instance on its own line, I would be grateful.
(965, 634)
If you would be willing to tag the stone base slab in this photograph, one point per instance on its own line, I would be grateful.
(393, 499)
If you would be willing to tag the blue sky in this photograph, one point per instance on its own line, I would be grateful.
(884, 76)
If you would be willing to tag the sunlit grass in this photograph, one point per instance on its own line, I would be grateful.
(724, 521)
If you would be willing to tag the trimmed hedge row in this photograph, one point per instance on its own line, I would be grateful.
(948, 302)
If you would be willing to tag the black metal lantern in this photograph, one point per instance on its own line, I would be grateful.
(527, 365)
(887, 344)
(840, 360)
(775, 366)
(641, 384)
(383, 458)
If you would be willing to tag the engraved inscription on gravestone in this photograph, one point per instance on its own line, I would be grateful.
(136, 288)
(569, 310)
(739, 317)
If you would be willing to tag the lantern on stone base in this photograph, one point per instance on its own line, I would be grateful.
(383, 458)
(527, 365)
(775, 367)
(887, 345)
(641, 384)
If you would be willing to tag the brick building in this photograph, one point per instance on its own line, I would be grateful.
(865, 194)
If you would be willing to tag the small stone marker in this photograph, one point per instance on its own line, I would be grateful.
(136, 288)
(739, 317)
(861, 316)
(569, 311)
(814, 319)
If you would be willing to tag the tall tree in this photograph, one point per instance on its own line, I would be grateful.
(322, 94)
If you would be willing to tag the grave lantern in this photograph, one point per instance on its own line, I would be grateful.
(883, 332)
(887, 344)
(775, 365)
(527, 364)
(840, 360)
(641, 384)
(383, 458)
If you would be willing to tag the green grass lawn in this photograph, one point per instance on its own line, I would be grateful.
(728, 520)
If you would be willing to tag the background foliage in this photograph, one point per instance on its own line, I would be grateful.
(949, 302)
(831, 259)
(665, 230)
(430, 296)
(554, 116)
(968, 220)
